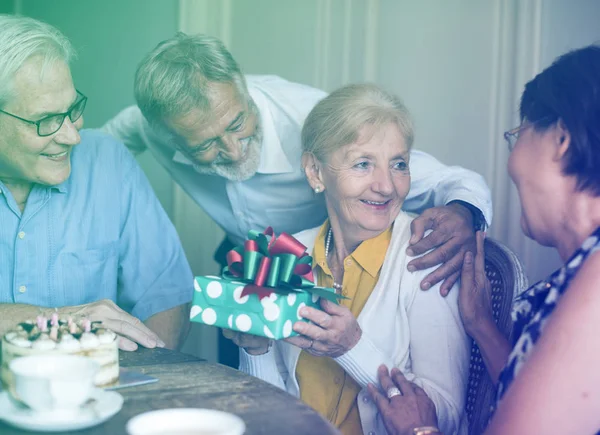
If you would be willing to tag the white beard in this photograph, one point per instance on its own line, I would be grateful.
(237, 171)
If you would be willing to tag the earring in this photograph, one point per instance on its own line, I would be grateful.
(318, 189)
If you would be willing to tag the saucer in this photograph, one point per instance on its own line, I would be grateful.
(105, 405)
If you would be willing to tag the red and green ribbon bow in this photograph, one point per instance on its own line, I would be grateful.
(269, 263)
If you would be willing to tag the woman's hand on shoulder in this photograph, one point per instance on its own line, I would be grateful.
(403, 405)
(333, 332)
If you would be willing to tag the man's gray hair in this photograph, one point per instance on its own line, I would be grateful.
(22, 38)
(174, 78)
(337, 119)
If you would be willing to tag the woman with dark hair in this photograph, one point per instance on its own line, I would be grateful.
(549, 380)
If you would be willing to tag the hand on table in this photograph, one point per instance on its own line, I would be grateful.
(130, 329)
(452, 235)
(252, 344)
(334, 330)
(406, 411)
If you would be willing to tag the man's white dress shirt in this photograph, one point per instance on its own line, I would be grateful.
(279, 195)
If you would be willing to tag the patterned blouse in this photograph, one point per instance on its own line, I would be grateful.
(533, 308)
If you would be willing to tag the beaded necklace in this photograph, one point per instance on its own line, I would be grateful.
(336, 286)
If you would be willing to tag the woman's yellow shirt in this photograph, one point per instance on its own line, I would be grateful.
(324, 385)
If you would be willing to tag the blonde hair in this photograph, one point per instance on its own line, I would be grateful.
(337, 119)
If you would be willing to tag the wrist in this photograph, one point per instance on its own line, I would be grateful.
(257, 351)
(477, 218)
(482, 329)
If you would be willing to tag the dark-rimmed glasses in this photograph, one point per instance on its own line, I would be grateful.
(50, 124)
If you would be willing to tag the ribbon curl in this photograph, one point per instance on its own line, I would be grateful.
(269, 263)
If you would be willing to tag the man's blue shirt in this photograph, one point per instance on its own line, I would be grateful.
(102, 234)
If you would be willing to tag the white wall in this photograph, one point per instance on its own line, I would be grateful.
(459, 65)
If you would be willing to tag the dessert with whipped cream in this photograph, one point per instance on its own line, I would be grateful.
(63, 336)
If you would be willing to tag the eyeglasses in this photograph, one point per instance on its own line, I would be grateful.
(512, 136)
(50, 124)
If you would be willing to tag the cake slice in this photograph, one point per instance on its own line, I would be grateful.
(63, 336)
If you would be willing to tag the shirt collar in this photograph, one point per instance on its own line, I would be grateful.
(370, 254)
(273, 159)
(319, 249)
(62, 187)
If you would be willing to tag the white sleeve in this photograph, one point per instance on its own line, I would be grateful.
(439, 354)
(129, 127)
(434, 184)
(439, 349)
(269, 367)
(362, 361)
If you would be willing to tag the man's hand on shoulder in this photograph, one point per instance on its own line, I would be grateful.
(452, 235)
(131, 330)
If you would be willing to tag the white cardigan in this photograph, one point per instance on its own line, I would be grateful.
(420, 332)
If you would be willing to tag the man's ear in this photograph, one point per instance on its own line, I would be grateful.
(562, 140)
(312, 169)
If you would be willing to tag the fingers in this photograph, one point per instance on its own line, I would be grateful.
(318, 317)
(418, 227)
(402, 383)
(480, 257)
(444, 271)
(385, 380)
(128, 327)
(433, 240)
(467, 273)
(380, 400)
(449, 282)
(122, 323)
(301, 341)
(332, 308)
(126, 344)
(313, 332)
(227, 333)
(419, 391)
(247, 341)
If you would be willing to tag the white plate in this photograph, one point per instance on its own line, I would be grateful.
(107, 404)
(186, 420)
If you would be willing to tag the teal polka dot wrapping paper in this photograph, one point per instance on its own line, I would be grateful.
(219, 302)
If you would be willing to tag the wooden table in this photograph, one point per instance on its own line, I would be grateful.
(187, 382)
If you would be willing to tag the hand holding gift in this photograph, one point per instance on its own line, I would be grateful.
(252, 344)
(333, 332)
(262, 290)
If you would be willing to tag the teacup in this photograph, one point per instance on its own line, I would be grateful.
(186, 421)
(53, 382)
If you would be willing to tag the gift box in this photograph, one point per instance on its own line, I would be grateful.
(262, 289)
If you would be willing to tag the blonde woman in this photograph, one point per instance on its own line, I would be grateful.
(356, 145)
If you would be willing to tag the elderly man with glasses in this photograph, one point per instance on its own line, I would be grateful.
(81, 231)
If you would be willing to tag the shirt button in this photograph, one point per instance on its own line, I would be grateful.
(22, 289)
(21, 234)
(366, 399)
(348, 262)
(371, 432)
